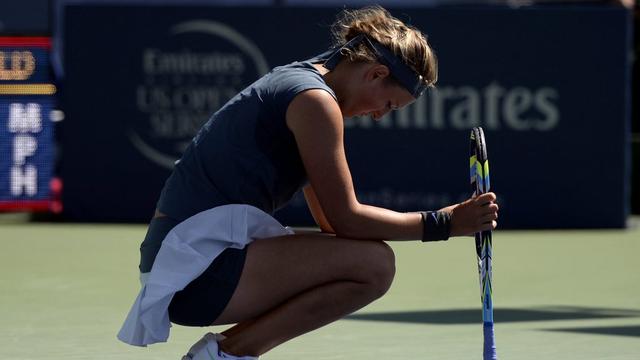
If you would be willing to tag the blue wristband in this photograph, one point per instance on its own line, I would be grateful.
(436, 225)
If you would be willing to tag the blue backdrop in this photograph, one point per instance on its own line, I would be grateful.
(550, 86)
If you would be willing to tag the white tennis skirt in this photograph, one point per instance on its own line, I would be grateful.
(187, 251)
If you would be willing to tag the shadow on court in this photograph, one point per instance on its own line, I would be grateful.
(615, 331)
(474, 316)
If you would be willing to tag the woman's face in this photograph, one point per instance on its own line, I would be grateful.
(377, 95)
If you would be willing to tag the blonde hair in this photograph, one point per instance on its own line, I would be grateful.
(405, 41)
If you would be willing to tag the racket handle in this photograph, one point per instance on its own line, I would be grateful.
(489, 342)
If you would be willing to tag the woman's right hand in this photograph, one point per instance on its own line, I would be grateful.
(476, 214)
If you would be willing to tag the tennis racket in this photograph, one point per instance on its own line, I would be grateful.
(479, 171)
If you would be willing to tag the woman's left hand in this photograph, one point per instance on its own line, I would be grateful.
(473, 215)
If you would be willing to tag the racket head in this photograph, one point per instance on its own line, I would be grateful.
(479, 163)
(480, 184)
(479, 174)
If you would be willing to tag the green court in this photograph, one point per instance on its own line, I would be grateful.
(66, 289)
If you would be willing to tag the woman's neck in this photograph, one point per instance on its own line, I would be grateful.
(337, 79)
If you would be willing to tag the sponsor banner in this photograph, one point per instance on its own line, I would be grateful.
(553, 107)
(24, 60)
(26, 130)
(26, 145)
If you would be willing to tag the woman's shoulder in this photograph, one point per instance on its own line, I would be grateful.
(298, 76)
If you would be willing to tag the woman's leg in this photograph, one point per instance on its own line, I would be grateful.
(293, 284)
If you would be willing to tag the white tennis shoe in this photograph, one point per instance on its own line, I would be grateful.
(207, 349)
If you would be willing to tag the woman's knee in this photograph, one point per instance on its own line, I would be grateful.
(378, 267)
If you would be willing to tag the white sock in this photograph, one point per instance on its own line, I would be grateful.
(207, 349)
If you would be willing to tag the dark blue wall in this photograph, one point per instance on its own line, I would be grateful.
(24, 17)
(549, 85)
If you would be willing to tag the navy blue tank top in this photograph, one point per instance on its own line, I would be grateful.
(245, 153)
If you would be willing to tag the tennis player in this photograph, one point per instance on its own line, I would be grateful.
(214, 255)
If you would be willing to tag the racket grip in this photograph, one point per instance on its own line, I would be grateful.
(489, 352)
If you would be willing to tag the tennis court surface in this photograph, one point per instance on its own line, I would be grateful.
(66, 289)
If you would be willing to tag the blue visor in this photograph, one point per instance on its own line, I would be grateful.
(399, 69)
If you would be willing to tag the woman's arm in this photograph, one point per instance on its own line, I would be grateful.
(316, 210)
(317, 124)
(316, 121)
